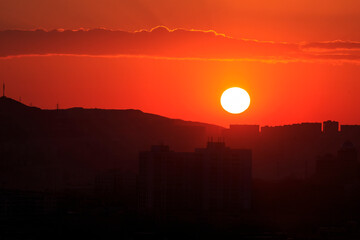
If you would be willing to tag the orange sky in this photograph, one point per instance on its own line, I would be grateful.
(189, 89)
(181, 74)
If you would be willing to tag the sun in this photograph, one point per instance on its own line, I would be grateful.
(235, 100)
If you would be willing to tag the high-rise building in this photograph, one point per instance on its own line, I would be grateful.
(243, 136)
(330, 127)
(303, 130)
(352, 131)
(343, 169)
(215, 179)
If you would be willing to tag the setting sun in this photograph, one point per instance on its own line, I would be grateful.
(235, 100)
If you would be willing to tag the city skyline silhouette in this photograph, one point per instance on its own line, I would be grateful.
(160, 175)
(203, 119)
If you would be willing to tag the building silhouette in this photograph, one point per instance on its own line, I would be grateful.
(342, 169)
(330, 127)
(243, 136)
(293, 130)
(211, 180)
(351, 130)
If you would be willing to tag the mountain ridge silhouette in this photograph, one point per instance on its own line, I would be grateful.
(9, 106)
(82, 143)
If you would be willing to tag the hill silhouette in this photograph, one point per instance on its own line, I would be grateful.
(80, 121)
(80, 143)
(9, 105)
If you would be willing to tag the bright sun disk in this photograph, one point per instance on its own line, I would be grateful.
(235, 100)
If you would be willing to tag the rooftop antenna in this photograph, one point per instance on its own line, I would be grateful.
(3, 89)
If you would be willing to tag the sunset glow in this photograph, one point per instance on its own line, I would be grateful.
(175, 59)
(183, 119)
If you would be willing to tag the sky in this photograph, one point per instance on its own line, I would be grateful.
(270, 20)
(299, 60)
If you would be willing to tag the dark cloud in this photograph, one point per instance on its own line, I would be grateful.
(162, 42)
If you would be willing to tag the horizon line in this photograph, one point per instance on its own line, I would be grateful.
(229, 125)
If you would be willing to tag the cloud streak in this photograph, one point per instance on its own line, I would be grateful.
(161, 42)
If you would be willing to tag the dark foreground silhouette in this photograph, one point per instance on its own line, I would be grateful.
(125, 174)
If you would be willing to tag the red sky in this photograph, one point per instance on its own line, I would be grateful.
(309, 72)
